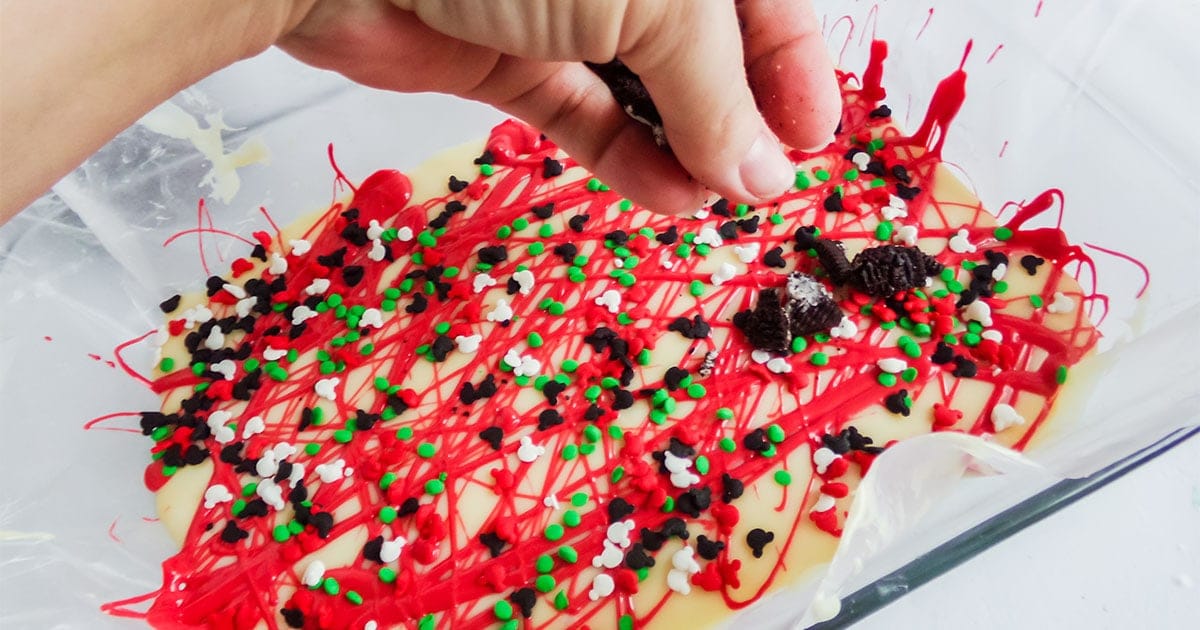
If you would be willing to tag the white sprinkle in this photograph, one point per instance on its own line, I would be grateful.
(404, 234)
(332, 471)
(390, 550)
(610, 558)
(219, 416)
(245, 305)
(372, 317)
(894, 210)
(685, 560)
(215, 495)
(861, 159)
(378, 251)
(906, 234)
(760, 356)
(551, 502)
(279, 265)
(709, 236)
(223, 434)
(300, 246)
(272, 354)
(302, 313)
(620, 263)
(681, 477)
(468, 343)
(314, 572)
(325, 387)
(992, 334)
(824, 502)
(529, 367)
(271, 493)
(747, 253)
(528, 452)
(1004, 416)
(267, 465)
(216, 423)
(847, 329)
(723, 274)
(317, 286)
(822, 458)
(283, 450)
(618, 533)
(960, 244)
(678, 581)
(371, 625)
(502, 312)
(1061, 303)
(892, 365)
(611, 300)
(482, 281)
(297, 473)
(665, 259)
(512, 358)
(700, 214)
(215, 339)
(234, 290)
(602, 586)
(779, 365)
(979, 311)
(374, 230)
(226, 368)
(999, 271)
(197, 315)
(524, 280)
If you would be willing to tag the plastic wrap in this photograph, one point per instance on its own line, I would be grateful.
(1078, 96)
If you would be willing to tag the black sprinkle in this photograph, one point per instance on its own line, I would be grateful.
(758, 539)
(622, 399)
(578, 221)
(372, 549)
(254, 508)
(696, 328)
(457, 185)
(943, 354)
(170, 304)
(720, 207)
(618, 237)
(259, 252)
(637, 558)
(355, 234)
(964, 367)
(493, 436)
(731, 488)
(693, 501)
(774, 258)
(493, 255)
(351, 214)
(567, 252)
(352, 275)
(419, 304)
(441, 347)
(1031, 263)
(333, 259)
(806, 237)
(551, 168)
(676, 527)
(669, 236)
(618, 509)
(679, 449)
(544, 211)
(232, 533)
(756, 441)
(749, 225)
(593, 413)
(294, 617)
(883, 111)
(907, 193)
(995, 258)
(708, 549)
(485, 158)
(674, 376)
(728, 231)
(833, 203)
(551, 390)
(494, 543)
(901, 174)
(524, 598)
(897, 402)
(408, 507)
(549, 418)
(322, 522)
(652, 540)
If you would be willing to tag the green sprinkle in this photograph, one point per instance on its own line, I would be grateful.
(617, 473)
(769, 451)
(922, 330)
(568, 554)
(387, 514)
(658, 416)
(354, 598)
(545, 583)
(167, 364)
(343, 436)
(821, 175)
(503, 232)
(387, 479)
(913, 350)
(534, 340)
(544, 563)
(696, 288)
(668, 504)
(571, 518)
(625, 622)
(702, 465)
(775, 433)
(546, 231)
(503, 610)
(1060, 374)
(487, 170)
(883, 231)
(625, 205)
(696, 391)
(886, 379)
(819, 359)
(592, 393)
(727, 445)
(557, 308)
(799, 344)
(251, 365)
(972, 339)
(404, 433)
(683, 250)
(643, 357)
(615, 432)
(560, 601)
(875, 144)
(536, 248)
(570, 365)
(198, 369)
(801, 181)
(724, 413)
(281, 533)
(1002, 233)
(1036, 301)
(624, 319)
(850, 175)
(593, 184)
(331, 586)
(1000, 287)
(427, 622)
(579, 499)
(435, 486)
(909, 374)
(387, 575)
(776, 218)
(312, 448)
(587, 449)
(703, 249)
(783, 478)
(553, 532)
(426, 450)
(741, 210)
(569, 452)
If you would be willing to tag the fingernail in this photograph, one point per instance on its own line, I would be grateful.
(765, 171)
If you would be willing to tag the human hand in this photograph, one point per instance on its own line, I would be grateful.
(708, 78)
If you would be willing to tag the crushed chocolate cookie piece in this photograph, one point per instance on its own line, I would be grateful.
(889, 269)
(631, 94)
(810, 306)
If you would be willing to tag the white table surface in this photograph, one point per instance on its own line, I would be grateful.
(1127, 556)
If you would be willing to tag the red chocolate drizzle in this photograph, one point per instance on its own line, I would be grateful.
(444, 570)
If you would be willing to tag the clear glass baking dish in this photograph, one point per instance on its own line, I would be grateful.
(1078, 97)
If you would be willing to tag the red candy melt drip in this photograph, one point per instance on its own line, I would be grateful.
(432, 451)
